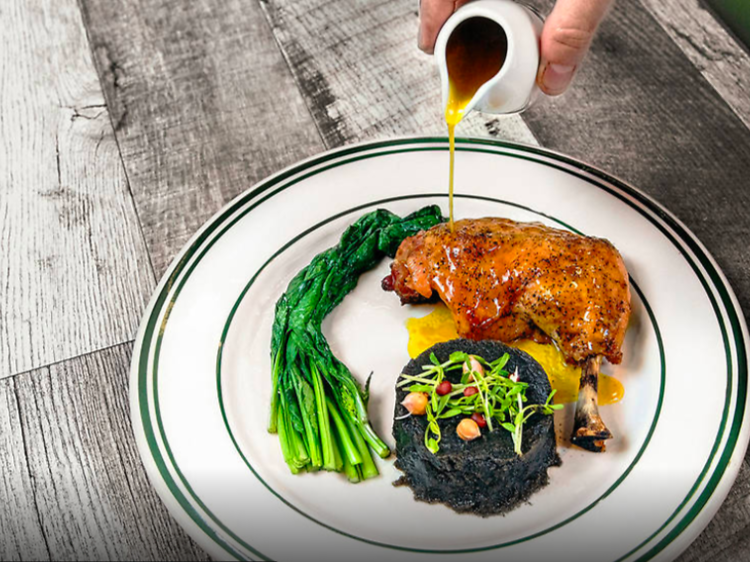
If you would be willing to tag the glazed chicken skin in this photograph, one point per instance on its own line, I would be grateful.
(507, 280)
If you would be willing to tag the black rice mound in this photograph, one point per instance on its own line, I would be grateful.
(484, 476)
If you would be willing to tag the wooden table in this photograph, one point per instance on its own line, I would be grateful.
(125, 124)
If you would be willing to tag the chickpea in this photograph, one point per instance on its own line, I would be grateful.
(415, 403)
(468, 430)
(473, 366)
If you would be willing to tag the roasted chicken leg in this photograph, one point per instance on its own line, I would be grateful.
(506, 280)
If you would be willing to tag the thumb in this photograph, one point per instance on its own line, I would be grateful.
(432, 16)
(566, 38)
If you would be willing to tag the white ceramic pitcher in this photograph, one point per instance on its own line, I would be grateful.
(514, 87)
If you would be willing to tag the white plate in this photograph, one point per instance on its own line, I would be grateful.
(200, 381)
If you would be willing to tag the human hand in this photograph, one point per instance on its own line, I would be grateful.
(565, 40)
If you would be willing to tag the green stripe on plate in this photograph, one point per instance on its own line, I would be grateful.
(469, 145)
(302, 235)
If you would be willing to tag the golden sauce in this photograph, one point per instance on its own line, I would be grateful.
(452, 145)
(564, 377)
(438, 326)
(474, 54)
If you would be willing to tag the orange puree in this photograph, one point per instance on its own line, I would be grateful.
(438, 326)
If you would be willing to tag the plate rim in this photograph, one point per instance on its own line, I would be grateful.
(376, 203)
(718, 482)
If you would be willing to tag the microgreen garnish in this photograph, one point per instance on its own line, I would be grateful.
(499, 396)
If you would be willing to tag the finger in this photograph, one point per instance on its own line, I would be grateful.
(566, 38)
(432, 16)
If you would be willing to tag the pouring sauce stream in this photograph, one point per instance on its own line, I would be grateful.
(474, 54)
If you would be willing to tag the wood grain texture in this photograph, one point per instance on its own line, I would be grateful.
(203, 105)
(641, 110)
(89, 492)
(358, 65)
(74, 273)
(21, 536)
(187, 82)
(710, 47)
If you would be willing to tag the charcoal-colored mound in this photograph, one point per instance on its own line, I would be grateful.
(484, 476)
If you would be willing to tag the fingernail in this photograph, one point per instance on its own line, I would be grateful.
(424, 47)
(420, 44)
(557, 77)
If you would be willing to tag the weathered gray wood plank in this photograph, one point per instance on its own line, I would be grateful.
(203, 105)
(21, 534)
(94, 501)
(347, 59)
(711, 48)
(74, 273)
(357, 63)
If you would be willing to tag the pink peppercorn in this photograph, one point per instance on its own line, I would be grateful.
(444, 388)
(479, 419)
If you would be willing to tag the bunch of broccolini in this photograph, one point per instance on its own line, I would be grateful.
(318, 409)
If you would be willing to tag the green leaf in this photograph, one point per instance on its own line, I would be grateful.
(297, 340)
(509, 426)
(500, 362)
(442, 401)
(458, 357)
(513, 391)
(450, 413)
(366, 393)
(421, 388)
(394, 233)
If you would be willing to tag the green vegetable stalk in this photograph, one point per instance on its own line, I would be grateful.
(318, 409)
